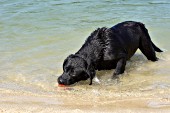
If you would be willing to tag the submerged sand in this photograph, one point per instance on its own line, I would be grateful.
(144, 88)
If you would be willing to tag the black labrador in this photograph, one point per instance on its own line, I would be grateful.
(108, 48)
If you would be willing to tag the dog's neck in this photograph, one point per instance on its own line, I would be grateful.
(91, 56)
(93, 48)
(85, 57)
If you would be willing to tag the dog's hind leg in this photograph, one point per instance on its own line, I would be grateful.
(146, 45)
(147, 49)
(120, 67)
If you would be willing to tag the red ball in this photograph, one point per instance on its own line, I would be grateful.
(61, 85)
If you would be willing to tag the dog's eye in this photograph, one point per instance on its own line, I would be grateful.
(67, 69)
(71, 70)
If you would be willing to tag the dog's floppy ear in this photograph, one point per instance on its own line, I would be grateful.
(90, 71)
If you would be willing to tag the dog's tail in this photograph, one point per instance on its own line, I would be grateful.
(156, 48)
(147, 34)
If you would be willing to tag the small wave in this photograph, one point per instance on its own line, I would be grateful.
(69, 3)
(159, 2)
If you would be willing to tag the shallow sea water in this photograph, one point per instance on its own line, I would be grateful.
(37, 35)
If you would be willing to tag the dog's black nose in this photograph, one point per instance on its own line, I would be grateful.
(60, 80)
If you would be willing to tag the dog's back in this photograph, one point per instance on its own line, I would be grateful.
(107, 45)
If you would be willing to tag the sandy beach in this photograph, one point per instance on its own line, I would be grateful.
(146, 102)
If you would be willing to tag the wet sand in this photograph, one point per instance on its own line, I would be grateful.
(122, 102)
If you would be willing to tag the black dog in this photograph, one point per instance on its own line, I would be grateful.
(108, 48)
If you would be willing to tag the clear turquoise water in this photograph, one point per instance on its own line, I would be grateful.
(37, 35)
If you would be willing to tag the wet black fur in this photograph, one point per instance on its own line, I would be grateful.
(108, 48)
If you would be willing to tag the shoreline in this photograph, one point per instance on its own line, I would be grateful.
(21, 102)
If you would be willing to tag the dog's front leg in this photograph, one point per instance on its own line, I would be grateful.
(120, 67)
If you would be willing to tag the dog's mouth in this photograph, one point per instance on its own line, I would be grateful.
(63, 83)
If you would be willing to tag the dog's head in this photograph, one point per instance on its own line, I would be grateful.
(76, 68)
